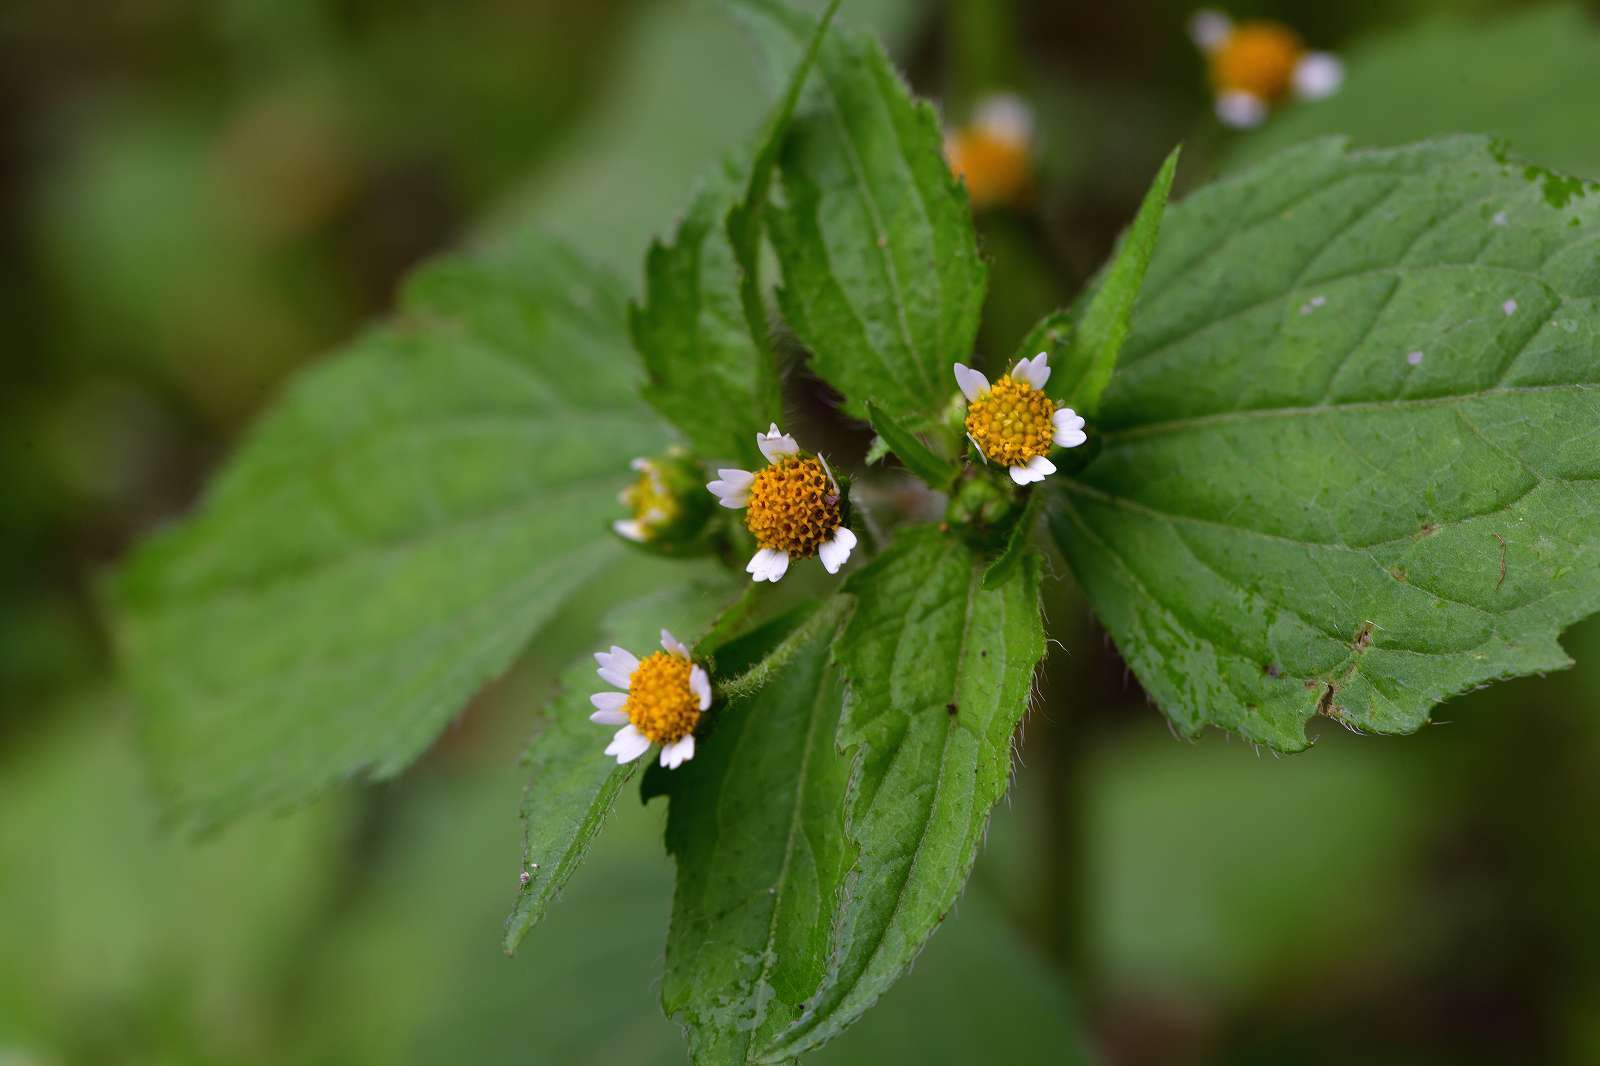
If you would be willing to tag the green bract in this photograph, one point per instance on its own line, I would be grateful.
(1344, 458)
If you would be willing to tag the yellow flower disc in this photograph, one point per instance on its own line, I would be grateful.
(995, 169)
(651, 502)
(1012, 422)
(1257, 58)
(660, 703)
(793, 507)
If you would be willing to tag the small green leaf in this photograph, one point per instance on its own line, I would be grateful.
(706, 375)
(918, 458)
(388, 537)
(756, 827)
(881, 275)
(1016, 548)
(939, 673)
(745, 224)
(1351, 462)
(574, 784)
(1106, 310)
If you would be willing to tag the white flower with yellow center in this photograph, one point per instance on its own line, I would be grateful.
(1014, 423)
(993, 153)
(792, 508)
(651, 502)
(663, 696)
(1255, 66)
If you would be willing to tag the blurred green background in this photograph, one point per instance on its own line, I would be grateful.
(198, 196)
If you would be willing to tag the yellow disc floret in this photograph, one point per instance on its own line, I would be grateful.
(996, 169)
(1011, 422)
(794, 507)
(1257, 58)
(660, 703)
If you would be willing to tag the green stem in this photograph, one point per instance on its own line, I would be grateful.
(752, 680)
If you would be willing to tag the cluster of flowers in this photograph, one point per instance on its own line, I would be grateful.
(1253, 66)
(795, 509)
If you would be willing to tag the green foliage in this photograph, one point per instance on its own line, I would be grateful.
(388, 538)
(881, 275)
(756, 830)
(1107, 308)
(1349, 458)
(706, 377)
(573, 786)
(918, 458)
(938, 672)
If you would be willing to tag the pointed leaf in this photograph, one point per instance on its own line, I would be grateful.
(387, 538)
(756, 827)
(938, 673)
(1351, 457)
(881, 275)
(1105, 312)
(573, 783)
(938, 472)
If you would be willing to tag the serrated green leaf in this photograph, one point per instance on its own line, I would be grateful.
(1351, 455)
(706, 375)
(918, 458)
(1105, 312)
(745, 224)
(938, 673)
(757, 829)
(881, 275)
(387, 538)
(573, 784)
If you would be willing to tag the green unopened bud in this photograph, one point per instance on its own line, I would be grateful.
(983, 499)
(669, 505)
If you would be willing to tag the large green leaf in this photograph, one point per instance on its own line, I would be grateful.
(757, 828)
(573, 784)
(1351, 454)
(938, 671)
(387, 538)
(881, 275)
(1522, 75)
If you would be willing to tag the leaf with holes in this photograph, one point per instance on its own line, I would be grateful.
(881, 275)
(1351, 457)
(938, 671)
(388, 537)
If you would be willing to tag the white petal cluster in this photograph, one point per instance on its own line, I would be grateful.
(616, 668)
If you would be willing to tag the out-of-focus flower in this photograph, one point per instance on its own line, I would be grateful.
(667, 504)
(793, 508)
(993, 152)
(662, 699)
(1255, 66)
(1014, 423)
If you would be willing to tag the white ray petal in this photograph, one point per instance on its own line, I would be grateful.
(732, 487)
(1021, 475)
(608, 717)
(1069, 438)
(1318, 74)
(609, 701)
(628, 744)
(672, 645)
(778, 566)
(759, 563)
(1241, 110)
(972, 382)
(775, 444)
(677, 753)
(1039, 370)
(1067, 418)
(1005, 117)
(616, 666)
(700, 685)
(629, 529)
(1208, 28)
(1041, 467)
